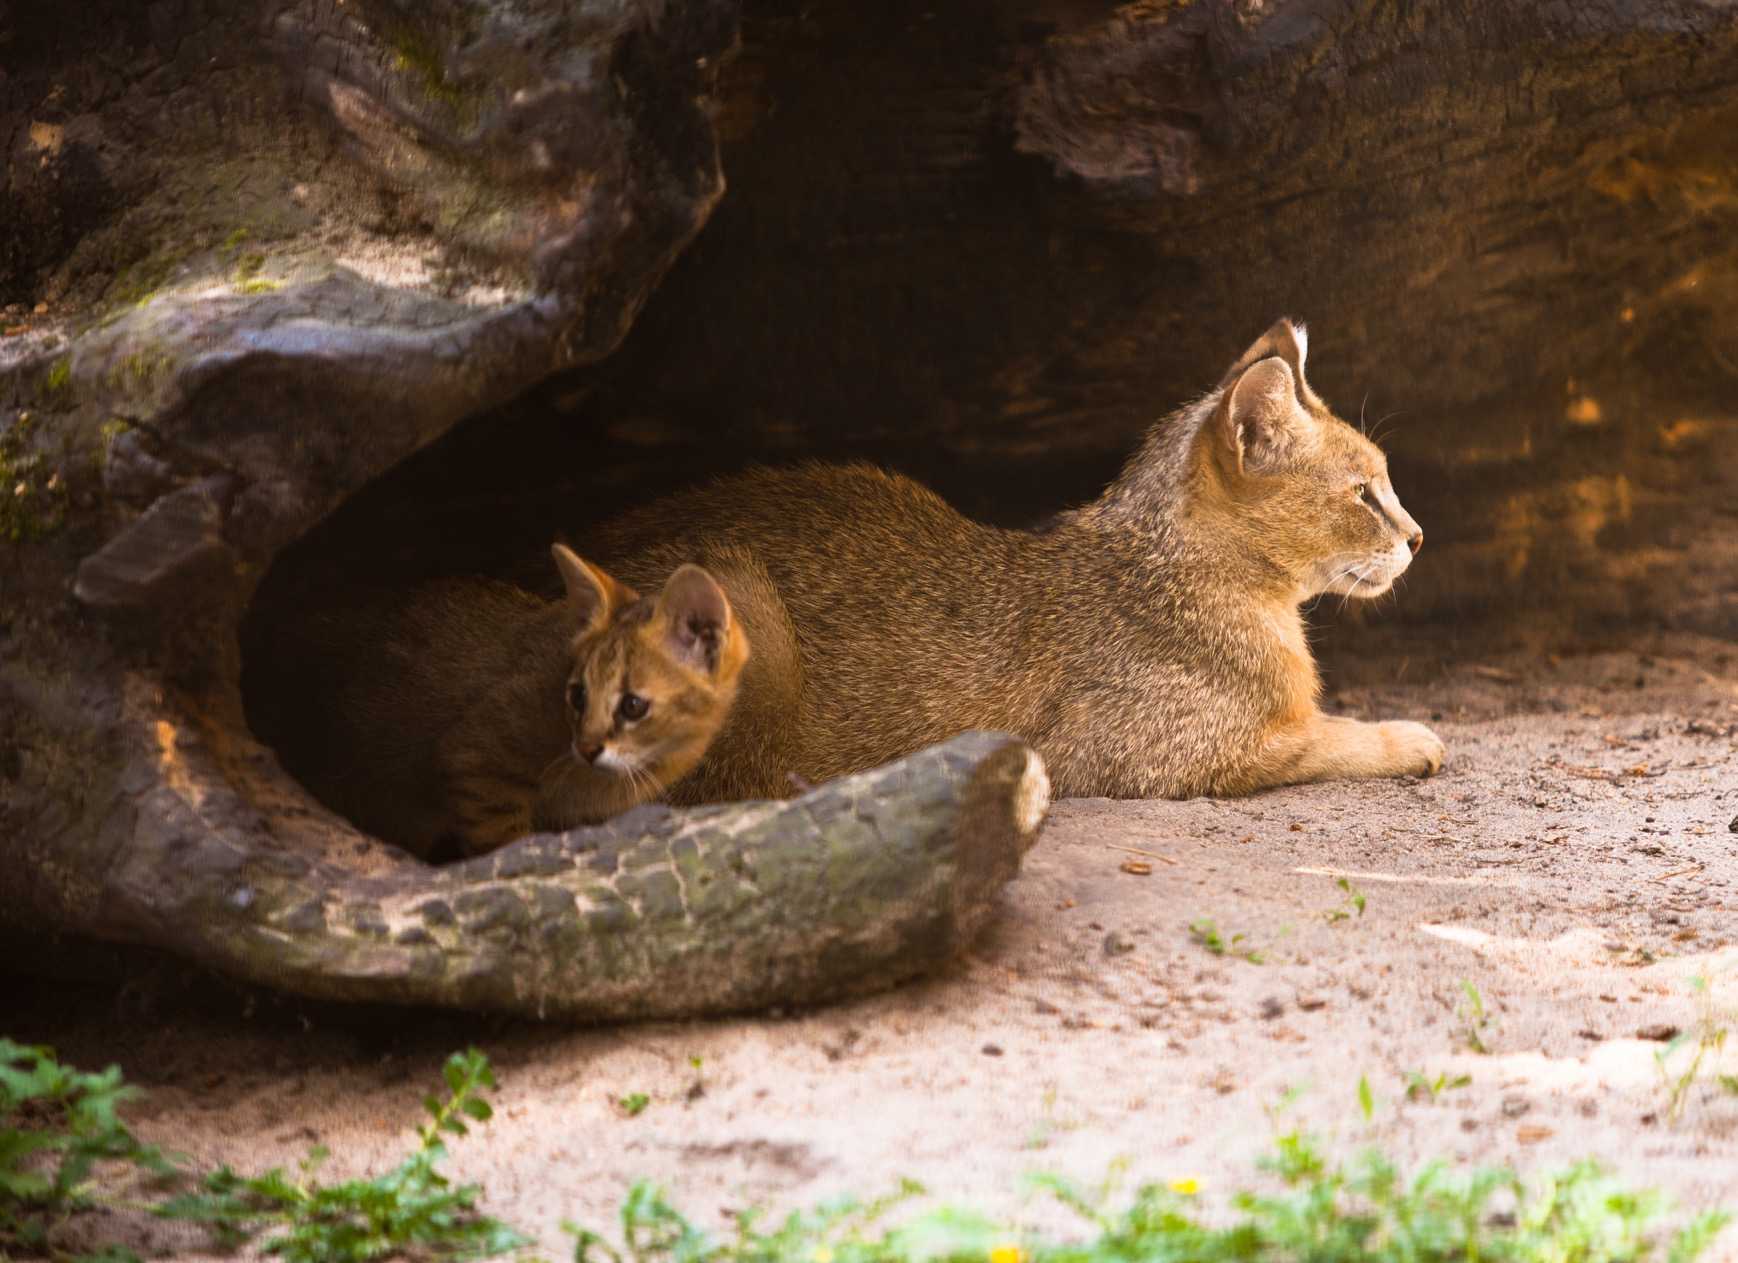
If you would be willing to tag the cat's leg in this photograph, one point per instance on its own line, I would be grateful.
(1325, 747)
(488, 802)
(490, 813)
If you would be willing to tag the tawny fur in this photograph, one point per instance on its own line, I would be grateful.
(1149, 644)
(442, 721)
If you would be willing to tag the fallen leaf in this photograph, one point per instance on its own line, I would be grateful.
(1140, 868)
(1533, 1133)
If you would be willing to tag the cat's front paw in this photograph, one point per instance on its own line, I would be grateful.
(1416, 750)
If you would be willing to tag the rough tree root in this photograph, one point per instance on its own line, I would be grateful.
(859, 884)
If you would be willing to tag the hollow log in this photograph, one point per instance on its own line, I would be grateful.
(271, 250)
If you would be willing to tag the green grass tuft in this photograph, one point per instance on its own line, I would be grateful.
(411, 1209)
(1324, 1212)
(56, 1124)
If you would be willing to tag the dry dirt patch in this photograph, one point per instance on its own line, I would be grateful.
(1576, 865)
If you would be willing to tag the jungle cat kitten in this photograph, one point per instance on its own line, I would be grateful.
(475, 712)
(1148, 644)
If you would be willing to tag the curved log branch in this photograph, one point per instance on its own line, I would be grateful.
(858, 885)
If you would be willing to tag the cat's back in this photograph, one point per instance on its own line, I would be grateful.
(783, 510)
(844, 544)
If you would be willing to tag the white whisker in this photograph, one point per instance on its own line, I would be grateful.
(1377, 435)
(1328, 586)
(1350, 593)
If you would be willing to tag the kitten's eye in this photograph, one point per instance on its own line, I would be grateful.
(632, 707)
(576, 696)
(1362, 491)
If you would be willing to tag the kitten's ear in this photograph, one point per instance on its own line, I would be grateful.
(1259, 419)
(1287, 340)
(696, 616)
(592, 595)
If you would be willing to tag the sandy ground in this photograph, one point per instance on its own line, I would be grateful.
(1577, 864)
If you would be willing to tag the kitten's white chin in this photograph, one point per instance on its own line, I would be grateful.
(616, 763)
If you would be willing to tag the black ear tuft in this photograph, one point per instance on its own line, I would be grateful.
(1290, 342)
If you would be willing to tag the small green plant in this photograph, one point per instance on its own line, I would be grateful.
(1683, 1061)
(56, 1124)
(411, 1209)
(1420, 1085)
(1352, 905)
(634, 1104)
(59, 375)
(1475, 1022)
(697, 1085)
(1206, 932)
(1049, 1121)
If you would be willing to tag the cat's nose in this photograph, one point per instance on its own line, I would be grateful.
(1415, 541)
(589, 753)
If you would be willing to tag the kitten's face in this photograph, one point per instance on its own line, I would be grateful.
(652, 683)
(637, 710)
(1308, 491)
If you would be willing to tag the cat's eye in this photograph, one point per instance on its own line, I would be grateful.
(1362, 491)
(576, 696)
(632, 707)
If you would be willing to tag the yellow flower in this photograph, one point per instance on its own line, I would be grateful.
(822, 1254)
(1007, 1253)
(1188, 1186)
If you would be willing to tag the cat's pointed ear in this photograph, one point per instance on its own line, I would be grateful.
(696, 616)
(1285, 339)
(592, 595)
(1259, 420)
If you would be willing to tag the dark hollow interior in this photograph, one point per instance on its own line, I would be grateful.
(895, 275)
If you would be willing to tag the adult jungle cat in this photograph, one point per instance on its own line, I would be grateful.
(1148, 644)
